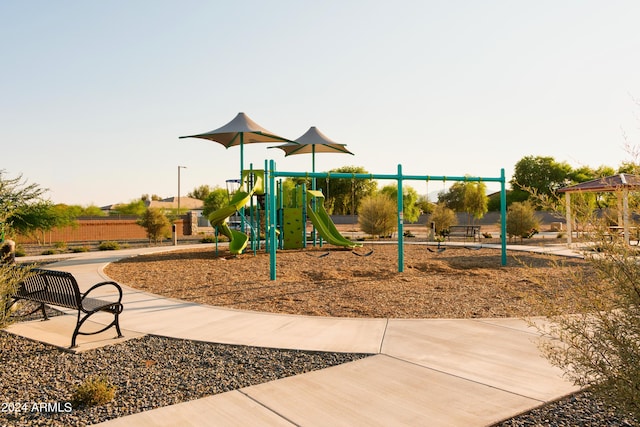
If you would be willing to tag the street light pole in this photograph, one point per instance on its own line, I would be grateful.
(179, 167)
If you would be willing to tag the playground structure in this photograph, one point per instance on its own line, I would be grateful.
(263, 182)
(292, 213)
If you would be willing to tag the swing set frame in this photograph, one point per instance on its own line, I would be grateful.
(272, 174)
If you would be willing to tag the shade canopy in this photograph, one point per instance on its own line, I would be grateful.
(605, 184)
(241, 130)
(313, 141)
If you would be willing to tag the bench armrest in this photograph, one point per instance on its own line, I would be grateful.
(101, 284)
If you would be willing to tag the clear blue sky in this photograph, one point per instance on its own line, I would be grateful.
(94, 95)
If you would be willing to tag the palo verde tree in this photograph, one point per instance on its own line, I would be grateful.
(410, 208)
(215, 199)
(201, 192)
(155, 223)
(343, 195)
(469, 197)
(24, 210)
(21, 204)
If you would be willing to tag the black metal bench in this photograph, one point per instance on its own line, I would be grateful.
(59, 288)
(465, 231)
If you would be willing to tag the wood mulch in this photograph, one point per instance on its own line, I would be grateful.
(455, 283)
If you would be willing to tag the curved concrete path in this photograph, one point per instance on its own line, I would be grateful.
(437, 372)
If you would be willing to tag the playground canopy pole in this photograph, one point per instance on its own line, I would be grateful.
(399, 177)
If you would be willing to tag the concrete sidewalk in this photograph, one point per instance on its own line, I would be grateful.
(470, 372)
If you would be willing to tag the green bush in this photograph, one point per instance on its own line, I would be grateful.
(443, 218)
(79, 249)
(109, 246)
(208, 239)
(93, 391)
(377, 215)
(521, 220)
(49, 252)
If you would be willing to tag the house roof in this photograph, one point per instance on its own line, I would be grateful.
(609, 183)
(172, 203)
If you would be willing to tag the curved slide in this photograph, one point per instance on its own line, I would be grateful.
(321, 220)
(237, 239)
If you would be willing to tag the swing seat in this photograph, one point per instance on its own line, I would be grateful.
(359, 254)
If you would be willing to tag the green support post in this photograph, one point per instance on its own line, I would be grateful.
(503, 218)
(400, 223)
(272, 222)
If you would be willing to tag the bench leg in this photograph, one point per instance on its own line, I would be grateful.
(80, 322)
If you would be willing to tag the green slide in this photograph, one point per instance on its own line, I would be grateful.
(237, 239)
(321, 220)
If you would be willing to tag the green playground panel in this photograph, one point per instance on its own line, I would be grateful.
(292, 228)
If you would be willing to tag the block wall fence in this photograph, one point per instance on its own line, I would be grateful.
(101, 229)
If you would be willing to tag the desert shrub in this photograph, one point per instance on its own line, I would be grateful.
(10, 277)
(20, 252)
(377, 215)
(443, 218)
(60, 245)
(78, 249)
(598, 345)
(49, 252)
(93, 391)
(521, 220)
(109, 246)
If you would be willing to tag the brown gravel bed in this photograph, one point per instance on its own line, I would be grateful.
(456, 283)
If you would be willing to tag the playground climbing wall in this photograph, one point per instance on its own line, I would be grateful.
(292, 228)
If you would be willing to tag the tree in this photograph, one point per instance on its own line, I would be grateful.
(539, 175)
(36, 218)
(156, 223)
(454, 197)
(377, 215)
(200, 192)
(216, 199)
(424, 204)
(135, 207)
(344, 195)
(469, 197)
(410, 208)
(23, 209)
(442, 218)
(521, 220)
(475, 202)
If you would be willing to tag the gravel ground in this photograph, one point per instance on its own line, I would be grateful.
(148, 372)
(152, 371)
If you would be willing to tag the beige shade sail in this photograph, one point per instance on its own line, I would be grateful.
(238, 132)
(312, 142)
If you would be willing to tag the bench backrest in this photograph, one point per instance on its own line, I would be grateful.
(53, 287)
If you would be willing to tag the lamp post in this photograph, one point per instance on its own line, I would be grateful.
(179, 167)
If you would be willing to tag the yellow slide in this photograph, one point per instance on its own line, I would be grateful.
(321, 220)
(237, 239)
